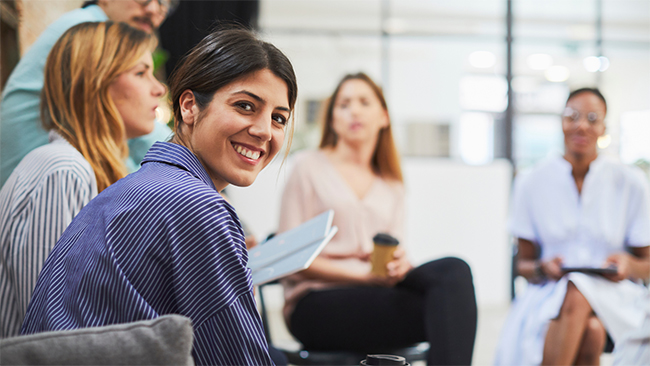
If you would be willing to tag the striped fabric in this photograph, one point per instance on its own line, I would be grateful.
(160, 241)
(38, 201)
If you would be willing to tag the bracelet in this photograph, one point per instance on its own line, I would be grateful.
(539, 273)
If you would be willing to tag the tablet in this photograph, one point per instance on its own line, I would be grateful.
(592, 270)
(290, 241)
(292, 263)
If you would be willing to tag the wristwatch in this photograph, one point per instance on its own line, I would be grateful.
(538, 269)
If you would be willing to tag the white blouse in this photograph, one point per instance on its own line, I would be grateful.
(39, 200)
(613, 211)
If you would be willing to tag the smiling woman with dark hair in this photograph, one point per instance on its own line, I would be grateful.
(163, 240)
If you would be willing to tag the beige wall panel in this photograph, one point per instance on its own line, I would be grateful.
(36, 15)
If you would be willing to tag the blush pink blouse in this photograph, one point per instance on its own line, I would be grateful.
(315, 186)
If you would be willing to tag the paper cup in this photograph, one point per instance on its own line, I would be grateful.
(385, 246)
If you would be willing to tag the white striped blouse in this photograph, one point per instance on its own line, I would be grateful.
(160, 241)
(45, 191)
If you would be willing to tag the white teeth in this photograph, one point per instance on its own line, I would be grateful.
(247, 153)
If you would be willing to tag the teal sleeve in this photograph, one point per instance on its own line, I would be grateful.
(139, 146)
(20, 123)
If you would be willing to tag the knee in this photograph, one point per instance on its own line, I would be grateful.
(594, 339)
(451, 273)
(455, 267)
(447, 273)
(575, 304)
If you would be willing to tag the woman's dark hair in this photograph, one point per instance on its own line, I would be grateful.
(593, 91)
(222, 57)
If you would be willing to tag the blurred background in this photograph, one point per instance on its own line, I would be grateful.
(475, 89)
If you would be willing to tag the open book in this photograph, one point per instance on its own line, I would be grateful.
(291, 251)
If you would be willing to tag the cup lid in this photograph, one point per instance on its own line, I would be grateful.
(385, 239)
(385, 360)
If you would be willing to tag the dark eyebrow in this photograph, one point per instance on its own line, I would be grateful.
(254, 96)
(259, 99)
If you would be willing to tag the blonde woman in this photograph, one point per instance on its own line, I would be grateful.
(337, 303)
(99, 91)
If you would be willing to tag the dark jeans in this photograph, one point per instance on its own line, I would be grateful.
(434, 303)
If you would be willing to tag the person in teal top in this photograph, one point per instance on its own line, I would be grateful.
(20, 122)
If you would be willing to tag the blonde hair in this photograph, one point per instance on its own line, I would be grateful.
(385, 159)
(75, 100)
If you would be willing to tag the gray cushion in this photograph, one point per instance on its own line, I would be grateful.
(166, 340)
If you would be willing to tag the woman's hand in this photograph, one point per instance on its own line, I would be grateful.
(251, 242)
(552, 269)
(622, 262)
(325, 269)
(371, 279)
(399, 267)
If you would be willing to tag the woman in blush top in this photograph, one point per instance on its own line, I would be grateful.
(338, 303)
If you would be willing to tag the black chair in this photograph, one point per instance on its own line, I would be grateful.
(417, 352)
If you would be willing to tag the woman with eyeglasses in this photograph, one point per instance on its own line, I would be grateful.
(579, 210)
(19, 112)
(146, 15)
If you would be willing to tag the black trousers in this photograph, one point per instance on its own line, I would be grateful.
(434, 303)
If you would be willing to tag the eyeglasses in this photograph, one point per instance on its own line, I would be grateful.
(573, 116)
(165, 6)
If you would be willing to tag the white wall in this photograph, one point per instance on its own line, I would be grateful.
(452, 209)
(461, 210)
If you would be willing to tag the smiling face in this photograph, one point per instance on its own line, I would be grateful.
(583, 123)
(144, 17)
(241, 130)
(136, 94)
(358, 115)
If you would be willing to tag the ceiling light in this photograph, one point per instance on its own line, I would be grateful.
(557, 73)
(591, 63)
(482, 59)
(539, 61)
(604, 63)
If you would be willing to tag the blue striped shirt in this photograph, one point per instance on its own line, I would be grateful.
(39, 200)
(160, 241)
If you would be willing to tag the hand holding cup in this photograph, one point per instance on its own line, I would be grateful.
(388, 259)
(383, 253)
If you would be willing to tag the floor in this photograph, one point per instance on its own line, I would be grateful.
(490, 321)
